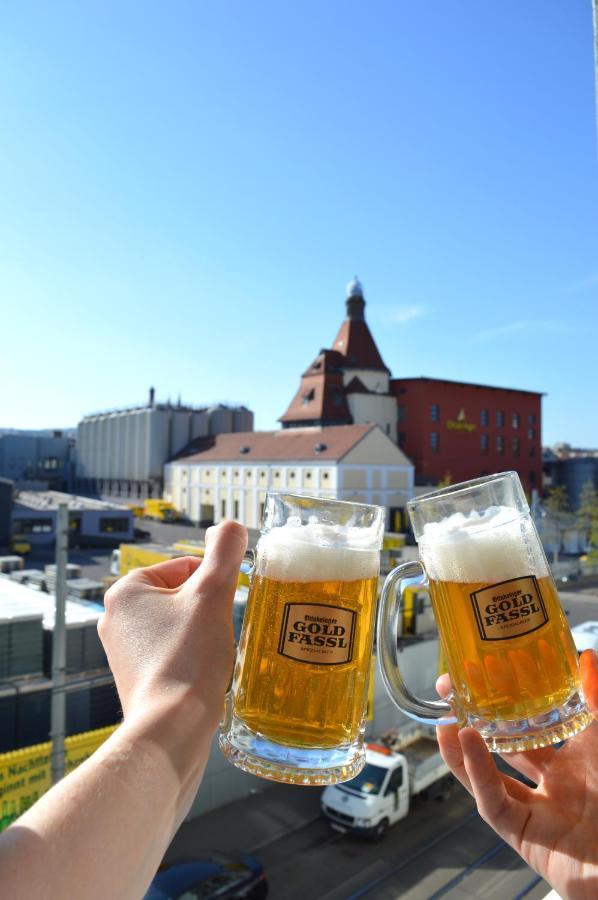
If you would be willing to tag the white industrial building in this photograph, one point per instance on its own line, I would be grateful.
(122, 452)
(228, 477)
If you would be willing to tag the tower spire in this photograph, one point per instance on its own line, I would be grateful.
(355, 301)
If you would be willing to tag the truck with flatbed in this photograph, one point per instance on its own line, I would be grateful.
(398, 766)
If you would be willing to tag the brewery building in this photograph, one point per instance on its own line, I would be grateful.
(451, 430)
(122, 452)
(455, 431)
(228, 475)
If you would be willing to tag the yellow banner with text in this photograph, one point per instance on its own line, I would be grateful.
(27, 774)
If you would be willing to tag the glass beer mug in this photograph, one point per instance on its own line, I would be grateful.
(511, 658)
(296, 708)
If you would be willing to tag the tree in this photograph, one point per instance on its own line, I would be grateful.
(556, 500)
(588, 516)
(558, 517)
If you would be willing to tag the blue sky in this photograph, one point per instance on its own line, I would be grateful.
(186, 188)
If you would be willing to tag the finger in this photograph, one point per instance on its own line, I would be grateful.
(443, 685)
(219, 572)
(452, 754)
(532, 763)
(588, 663)
(169, 574)
(500, 799)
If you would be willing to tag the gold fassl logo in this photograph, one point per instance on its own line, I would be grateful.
(318, 634)
(509, 609)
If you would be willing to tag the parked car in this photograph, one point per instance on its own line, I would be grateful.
(240, 877)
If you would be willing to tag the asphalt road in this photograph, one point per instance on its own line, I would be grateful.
(441, 849)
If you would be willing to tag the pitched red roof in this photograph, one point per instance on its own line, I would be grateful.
(354, 340)
(356, 386)
(297, 444)
(320, 398)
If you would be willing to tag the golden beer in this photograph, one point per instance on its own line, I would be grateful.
(304, 660)
(510, 678)
(510, 654)
(296, 708)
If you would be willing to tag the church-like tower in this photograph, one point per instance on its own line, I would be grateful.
(348, 384)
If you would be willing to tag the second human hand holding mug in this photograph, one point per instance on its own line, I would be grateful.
(510, 653)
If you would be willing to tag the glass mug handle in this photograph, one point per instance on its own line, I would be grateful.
(427, 712)
(247, 566)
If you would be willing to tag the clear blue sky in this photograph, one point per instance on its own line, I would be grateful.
(186, 188)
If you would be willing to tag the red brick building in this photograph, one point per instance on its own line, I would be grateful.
(455, 430)
(449, 429)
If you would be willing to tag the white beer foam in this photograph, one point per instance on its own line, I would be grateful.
(315, 552)
(492, 546)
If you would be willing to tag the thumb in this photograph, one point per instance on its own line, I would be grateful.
(216, 578)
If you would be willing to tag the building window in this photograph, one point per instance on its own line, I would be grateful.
(401, 438)
(33, 526)
(532, 477)
(515, 420)
(114, 524)
(531, 433)
(484, 443)
(235, 509)
(262, 505)
(531, 419)
(484, 418)
(308, 397)
(532, 451)
(325, 476)
(223, 509)
(435, 441)
(401, 413)
(308, 476)
(500, 418)
(434, 412)
(291, 475)
(500, 444)
(516, 446)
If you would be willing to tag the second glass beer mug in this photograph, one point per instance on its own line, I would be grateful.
(296, 708)
(511, 658)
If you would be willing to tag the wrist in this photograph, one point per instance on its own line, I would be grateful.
(179, 727)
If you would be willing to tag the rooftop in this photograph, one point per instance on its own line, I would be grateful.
(299, 444)
(486, 387)
(19, 602)
(50, 500)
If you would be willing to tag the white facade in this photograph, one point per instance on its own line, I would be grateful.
(381, 409)
(374, 471)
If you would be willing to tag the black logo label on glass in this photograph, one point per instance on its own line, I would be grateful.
(318, 634)
(509, 609)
